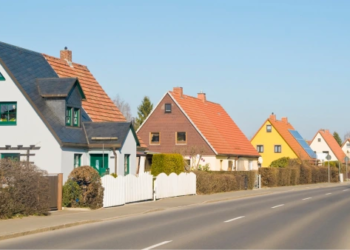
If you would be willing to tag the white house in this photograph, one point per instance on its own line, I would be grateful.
(324, 144)
(43, 120)
(346, 147)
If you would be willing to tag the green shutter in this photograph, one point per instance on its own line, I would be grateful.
(76, 117)
(69, 116)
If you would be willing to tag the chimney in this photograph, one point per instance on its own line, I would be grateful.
(202, 96)
(285, 120)
(273, 117)
(66, 54)
(178, 90)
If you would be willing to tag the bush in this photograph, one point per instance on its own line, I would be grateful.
(167, 163)
(24, 190)
(209, 182)
(280, 163)
(269, 176)
(114, 175)
(90, 191)
(284, 177)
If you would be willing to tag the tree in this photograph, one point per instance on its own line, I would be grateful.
(143, 111)
(347, 136)
(337, 138)
(124, 107)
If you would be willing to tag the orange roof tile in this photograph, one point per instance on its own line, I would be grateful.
(96, 97)
(282, 128)
(332, 144)
(215, 125)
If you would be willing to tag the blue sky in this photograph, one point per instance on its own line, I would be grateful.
(252, 57)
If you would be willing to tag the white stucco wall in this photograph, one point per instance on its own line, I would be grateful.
(346, 149)
(30, 130)
(68, 160)
(217, 163)
(321, 146)
(129, 147)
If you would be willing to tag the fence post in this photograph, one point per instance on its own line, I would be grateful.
(59, 190)
(155, 190)
(259, 181)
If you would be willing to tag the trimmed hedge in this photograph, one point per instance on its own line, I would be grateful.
(209, 182)
(24, 190)
(83, 188)
(280, 163)
(167, 163)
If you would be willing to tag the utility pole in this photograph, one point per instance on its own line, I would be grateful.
(328, 157)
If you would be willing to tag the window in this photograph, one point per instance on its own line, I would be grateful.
(348, 145)
(8, 113)
(268, 128)
(319, 139)
(2, 78)
(154, 138)
(168, 108)
(278, 148)
(72, 117)
(13, 156)
(181, 138)
(126, 164)
(260, 148)
(77, 160)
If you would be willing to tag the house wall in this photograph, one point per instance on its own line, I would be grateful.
(321, 146)
(129, 147)
(68, 160)
(269, 140)
(168, 124)
(220, 163)
(346, 149)
(30, 130)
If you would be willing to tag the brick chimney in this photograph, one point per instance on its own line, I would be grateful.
(202, 97)
(178, 90)
(273, 117)
(285, 120)
(66, 54)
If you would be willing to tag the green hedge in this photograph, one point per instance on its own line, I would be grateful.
(167, 163)
(280, 163)
(209, 182)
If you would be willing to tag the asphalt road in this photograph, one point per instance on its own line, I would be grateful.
(308, 219)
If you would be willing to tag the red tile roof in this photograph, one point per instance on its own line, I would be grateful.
(98, 105)
(332, 144)
(282, 128)
(215, 125)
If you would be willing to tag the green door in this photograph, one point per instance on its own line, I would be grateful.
(100, 163)
(126, 164)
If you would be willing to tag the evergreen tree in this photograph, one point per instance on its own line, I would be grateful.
(337, 138)
(143, 111)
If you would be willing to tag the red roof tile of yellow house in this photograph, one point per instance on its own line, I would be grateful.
(332, 144)
(98, 105)
(214, 124)
(283, 128)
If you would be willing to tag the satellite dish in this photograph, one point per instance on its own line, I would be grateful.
(260, 160)
(328, 157)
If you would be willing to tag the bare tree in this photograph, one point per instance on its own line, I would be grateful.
(347, 136)
(124, 107)
(195, 154)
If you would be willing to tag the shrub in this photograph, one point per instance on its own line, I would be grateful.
(284, 177)
(280, 163)
(167, 163)
(90, 188)
(269, 176)
(24, 190)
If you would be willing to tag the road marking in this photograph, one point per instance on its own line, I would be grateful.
(307, 198)
(278, 206)
(328, 193)
(157, 245)
(241, 217)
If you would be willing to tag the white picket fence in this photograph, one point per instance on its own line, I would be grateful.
(121, 190)
(175, 185)
(125, 189)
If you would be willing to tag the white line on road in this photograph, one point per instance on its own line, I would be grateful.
(157, 245)
(307, 198)
(278, 206)
(241, 217)
(328, 193)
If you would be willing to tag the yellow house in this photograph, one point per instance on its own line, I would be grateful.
(276, 139)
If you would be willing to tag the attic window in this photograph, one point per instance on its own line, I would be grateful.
(319, 139)
(72, 117)
(268, 128)
(168, 108)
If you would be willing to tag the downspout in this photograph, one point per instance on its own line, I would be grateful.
(115, 161)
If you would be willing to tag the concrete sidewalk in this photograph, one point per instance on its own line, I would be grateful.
(63, 219)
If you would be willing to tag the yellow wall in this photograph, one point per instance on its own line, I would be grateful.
(269, 140)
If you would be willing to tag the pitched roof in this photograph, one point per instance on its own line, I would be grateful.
(346, 141)
(96, 97)
(56, 87)
(215, 125)
(332, 144)
(283, 127)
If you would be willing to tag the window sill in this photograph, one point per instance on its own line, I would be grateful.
(8, 123)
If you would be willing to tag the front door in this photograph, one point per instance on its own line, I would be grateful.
(99, 162)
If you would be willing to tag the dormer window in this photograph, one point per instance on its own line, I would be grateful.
(168, 108)
(72, 117)
(2, 78)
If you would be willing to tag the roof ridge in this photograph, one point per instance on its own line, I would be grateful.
(197, 98)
